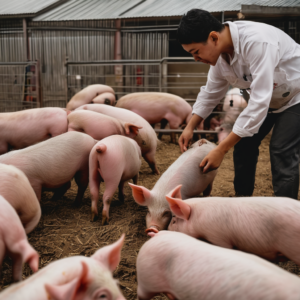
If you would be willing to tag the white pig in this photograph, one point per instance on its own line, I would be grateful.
(13, 241)
(264, 226)
(27, 127)
(146, 137)
(53, 163)
(184, 170)
(73, 278)
(100, 126)
(187, 269)
(113, 160)
(94, 93)
(16, 189)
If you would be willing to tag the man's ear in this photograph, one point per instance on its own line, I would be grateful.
(68, 290)
(214, 36)
(140, 194)
(110, 255)
(179, 208)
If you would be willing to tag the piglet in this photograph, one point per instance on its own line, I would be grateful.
(16, 189)
(94, 93)
(100, 126)
(113, 160)
(24, 128)
(13, 241)
(73, 278)
(184, 170)
(264, 226)
(52, 164)
(187, 269)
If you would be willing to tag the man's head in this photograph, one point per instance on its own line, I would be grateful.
(199, 34)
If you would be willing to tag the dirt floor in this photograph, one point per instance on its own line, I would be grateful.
(65, 230)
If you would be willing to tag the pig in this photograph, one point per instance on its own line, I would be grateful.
(233, 105)
(265, 226)
(100, 126)
(158, 108)
(53, 163)
(95, 93)
(146, 138)
(16, 189)
(73, 278)
(184, 170)
(13, 241)
(187, 269)
(27, 127)
(113, 160)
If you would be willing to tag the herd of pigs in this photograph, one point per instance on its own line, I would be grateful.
(190, 253)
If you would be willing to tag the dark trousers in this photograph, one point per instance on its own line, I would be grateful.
(284, 154)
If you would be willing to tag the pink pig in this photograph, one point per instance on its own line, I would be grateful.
(13, 241)
(263, 226)
(95, 93)
(27, 127)
(158, 108)
(52, 164)
(187, 269)
(100, 126)
(184, 170)
(146, 138)
(113, 160)
(16, 189)
(73, 278)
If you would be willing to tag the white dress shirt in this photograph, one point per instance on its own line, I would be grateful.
(266, 61)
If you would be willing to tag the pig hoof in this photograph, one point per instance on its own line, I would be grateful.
(104, 218)
(94, 217)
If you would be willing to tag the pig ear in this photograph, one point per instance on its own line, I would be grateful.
(68, 290)
(176, 193)
(140, 194)
(110, 255)
(180, 208)
(131, 128)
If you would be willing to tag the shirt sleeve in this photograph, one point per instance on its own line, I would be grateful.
(262, 59)
(211, 94)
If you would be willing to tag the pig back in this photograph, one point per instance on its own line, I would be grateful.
(186, 171)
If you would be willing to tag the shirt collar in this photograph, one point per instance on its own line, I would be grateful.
(235, 39)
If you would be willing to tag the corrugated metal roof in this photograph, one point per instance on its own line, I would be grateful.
(114, 9)
(88, 10)
(18, 7)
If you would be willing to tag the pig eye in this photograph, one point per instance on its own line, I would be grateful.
(103, 296)
(167, 214)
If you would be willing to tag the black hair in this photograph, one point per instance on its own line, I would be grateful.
(196, 25)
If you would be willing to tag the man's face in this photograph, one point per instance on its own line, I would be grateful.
(207, 53)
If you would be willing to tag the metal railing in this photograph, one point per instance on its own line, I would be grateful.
(177, 75)
(19, 86)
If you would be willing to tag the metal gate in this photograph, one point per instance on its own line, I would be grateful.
(19, 86)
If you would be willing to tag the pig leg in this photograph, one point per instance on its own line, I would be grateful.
(17, 267)
(150, 159)
(207, 191)
(135, 178)
(82, 180)
(121, 191)
(174, 124)
(59, 192)
(111, 185)
(95, 181)
(163, 124)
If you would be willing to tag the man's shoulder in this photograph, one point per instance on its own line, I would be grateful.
(257, 32)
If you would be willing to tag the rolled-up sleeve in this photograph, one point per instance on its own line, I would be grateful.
(262, 59)
(211, 94)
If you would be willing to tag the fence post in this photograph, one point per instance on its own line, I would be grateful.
(67, 81)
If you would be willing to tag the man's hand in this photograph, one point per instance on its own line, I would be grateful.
(187, 134)
(214, 158)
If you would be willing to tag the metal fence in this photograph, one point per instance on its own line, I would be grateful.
(19, 86)
(181, 76)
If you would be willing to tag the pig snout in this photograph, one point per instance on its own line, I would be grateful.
(152, 230)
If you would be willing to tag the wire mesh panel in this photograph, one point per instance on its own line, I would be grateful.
(19, 86)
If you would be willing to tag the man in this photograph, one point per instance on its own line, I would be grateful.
(265, 61)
